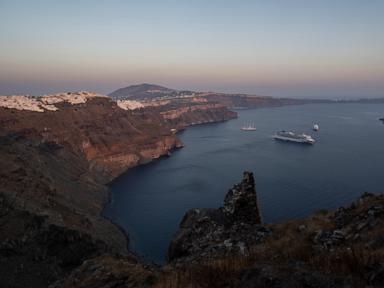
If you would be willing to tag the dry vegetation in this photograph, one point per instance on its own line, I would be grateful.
(289, 245)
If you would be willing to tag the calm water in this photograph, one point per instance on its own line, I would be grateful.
(292, 180)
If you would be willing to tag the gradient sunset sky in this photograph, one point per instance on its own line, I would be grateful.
(287, 48)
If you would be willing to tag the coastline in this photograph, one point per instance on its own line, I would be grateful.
(58, 154)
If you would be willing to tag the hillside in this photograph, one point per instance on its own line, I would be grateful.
(148, 94)
(143, 92)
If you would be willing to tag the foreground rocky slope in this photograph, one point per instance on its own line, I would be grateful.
(342, 248)
(50, 207)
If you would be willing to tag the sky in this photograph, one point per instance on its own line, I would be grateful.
(283, 48)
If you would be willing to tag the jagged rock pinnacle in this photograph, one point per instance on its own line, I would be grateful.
(240, 203)
(229, 229)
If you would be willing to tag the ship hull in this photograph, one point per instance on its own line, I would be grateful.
(286, 139)
(248, 129)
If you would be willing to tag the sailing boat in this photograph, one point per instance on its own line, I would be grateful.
(249, 127)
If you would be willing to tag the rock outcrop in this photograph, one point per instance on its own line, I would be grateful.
(233, 228)
(343, 248)
(240, 203)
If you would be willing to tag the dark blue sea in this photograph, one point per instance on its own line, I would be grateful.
(292, 180)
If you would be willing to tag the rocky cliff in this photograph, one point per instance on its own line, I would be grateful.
(253, 101)
(57, 152)
(109, 138)
(50, 205)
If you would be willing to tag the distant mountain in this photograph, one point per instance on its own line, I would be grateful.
(145, 91)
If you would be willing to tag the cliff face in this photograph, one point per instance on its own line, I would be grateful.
(109, 138)
(50, 207)
(196, 113)
(56, 154)
(249, 101)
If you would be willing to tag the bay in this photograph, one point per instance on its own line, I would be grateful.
(292, 180)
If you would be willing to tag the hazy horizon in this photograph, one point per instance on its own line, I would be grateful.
(304, 49)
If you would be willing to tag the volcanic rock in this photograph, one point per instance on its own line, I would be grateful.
(229, 229)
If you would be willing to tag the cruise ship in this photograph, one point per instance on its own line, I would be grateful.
(292, 137)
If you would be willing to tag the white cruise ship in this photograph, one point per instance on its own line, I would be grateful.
(292, 137)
